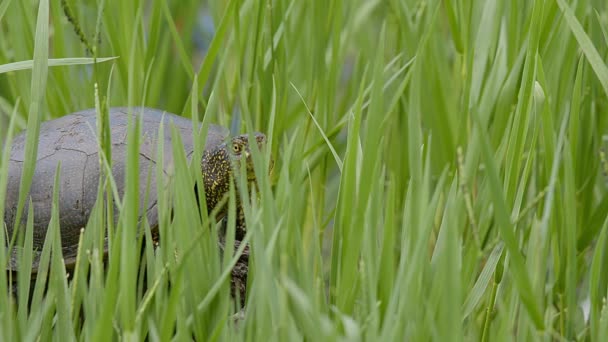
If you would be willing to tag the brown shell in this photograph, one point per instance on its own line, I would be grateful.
(72, 139)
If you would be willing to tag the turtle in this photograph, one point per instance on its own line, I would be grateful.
(71, 139)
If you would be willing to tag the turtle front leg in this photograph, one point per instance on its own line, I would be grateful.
(238, 279)
(238, 276)
(240, 228)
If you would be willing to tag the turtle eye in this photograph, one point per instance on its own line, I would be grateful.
(236, 148)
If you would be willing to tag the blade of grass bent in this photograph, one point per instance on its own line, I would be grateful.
(518, 271)
(593, 56)
(5, 311)
(52, 62)
(38, 86)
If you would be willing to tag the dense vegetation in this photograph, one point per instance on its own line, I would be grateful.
(440, 170)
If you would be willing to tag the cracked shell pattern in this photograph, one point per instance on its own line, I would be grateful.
(72, 141)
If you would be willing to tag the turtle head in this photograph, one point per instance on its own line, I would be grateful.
(222, 162)
(240, 149)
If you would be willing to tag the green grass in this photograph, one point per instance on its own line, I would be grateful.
(440, 168)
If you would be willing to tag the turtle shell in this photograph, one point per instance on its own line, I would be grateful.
(72, 140)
